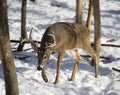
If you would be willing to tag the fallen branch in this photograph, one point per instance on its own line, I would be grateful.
(103, 57)
(109, 45)
(18, 41)
(116, 69)
(15, 41)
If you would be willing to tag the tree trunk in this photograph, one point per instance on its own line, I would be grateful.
(0, 53)
(23, 24)
(90, 12)
(97, 27)
(79, 11)
(11, 84)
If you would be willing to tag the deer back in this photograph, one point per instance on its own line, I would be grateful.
(65, 36)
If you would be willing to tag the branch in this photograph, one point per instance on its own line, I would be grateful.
(109, 45)
(18, 41)
(116, 69)
(102, 57)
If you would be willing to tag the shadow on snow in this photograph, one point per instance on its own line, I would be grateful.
(67, 64)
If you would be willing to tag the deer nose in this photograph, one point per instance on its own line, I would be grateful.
(39, 68)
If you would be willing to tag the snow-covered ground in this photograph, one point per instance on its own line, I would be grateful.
(40, 15)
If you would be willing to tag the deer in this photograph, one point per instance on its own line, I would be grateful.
(58, 38)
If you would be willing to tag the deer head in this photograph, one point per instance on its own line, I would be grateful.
(45, 49)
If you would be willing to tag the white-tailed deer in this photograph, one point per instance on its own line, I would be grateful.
(60, 37)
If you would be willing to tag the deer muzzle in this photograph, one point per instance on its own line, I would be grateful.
(40, 67)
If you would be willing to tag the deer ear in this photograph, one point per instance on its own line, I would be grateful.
(52, 41)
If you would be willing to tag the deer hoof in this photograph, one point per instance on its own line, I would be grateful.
(46, 81)
(56, 82)
(70, 79)
(97, 74)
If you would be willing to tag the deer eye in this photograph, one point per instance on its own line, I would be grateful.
(44, 57)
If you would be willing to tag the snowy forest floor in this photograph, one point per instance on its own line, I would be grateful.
(40, 15)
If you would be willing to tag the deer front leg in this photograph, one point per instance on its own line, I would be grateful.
(60, 57)
(44, 75)
(77, 61)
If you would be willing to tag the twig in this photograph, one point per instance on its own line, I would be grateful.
(102, 57)
(18, 41)
(109, 45)
(116, 69)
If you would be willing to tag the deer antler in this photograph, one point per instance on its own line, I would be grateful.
(33, 44)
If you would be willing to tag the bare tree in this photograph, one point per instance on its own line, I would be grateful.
(97, 27)
(0, 53)
(90, 13)
(8, 66)
(94, 8)
(79, 11)
(23, 24)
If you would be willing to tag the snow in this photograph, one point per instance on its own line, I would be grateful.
(40, 15)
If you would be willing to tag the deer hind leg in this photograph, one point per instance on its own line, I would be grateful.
(77, 61)
(60, 57)
(95, 60)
